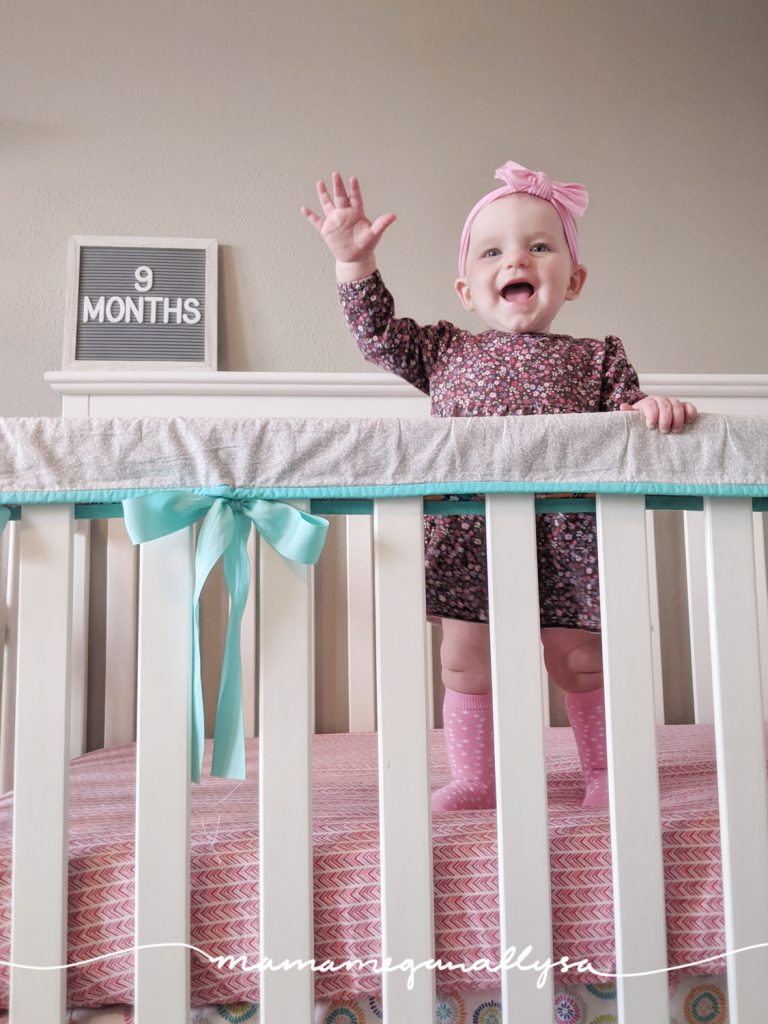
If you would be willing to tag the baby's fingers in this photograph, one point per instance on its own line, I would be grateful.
(678, 414)
(312, 217)
(340, 197)
(355, 195)
(647, 407)
(381, 224)
(326, 201)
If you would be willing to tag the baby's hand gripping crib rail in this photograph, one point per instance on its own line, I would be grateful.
(53, 469)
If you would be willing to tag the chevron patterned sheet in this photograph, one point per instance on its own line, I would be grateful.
(224, 873)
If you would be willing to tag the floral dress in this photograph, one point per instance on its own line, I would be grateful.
(496, 374)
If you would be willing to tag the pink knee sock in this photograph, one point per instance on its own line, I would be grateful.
(586, 712)
(468, 725)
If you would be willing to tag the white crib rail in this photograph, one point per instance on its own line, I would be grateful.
(521, 784)
(698, 610)
(361, 643)
(739, 734)
(39, 888)
(120, 655)
(286, 717)
(638, 875)
(404, 807)
(286, 714)
(162, 780)
(9, 666)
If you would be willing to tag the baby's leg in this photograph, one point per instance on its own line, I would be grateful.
(574, 660)
(467, 717)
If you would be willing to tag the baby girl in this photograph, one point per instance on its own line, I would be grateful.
(518, 265)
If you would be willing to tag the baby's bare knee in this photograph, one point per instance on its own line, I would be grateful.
(573, 658)
(464, 643)
(465, 656)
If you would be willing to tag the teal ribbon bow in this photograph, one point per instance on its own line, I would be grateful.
(295, 535)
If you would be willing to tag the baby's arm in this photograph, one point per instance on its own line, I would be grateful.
(346, 230)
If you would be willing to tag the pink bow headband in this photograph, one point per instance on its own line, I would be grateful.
(570, 201)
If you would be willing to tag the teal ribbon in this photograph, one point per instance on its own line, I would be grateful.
(295, 535)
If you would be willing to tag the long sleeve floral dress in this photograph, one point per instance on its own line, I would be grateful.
(495, 374)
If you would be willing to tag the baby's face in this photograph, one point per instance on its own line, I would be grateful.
(519, 267)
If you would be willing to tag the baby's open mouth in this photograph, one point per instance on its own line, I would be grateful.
(518, 291)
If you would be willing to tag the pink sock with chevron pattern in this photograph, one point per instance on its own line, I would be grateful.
(468, 726)
(586, 712)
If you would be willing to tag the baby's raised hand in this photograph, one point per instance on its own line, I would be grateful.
(668, 414)
(346, 230)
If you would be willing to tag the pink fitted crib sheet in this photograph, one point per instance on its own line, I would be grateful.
(224, 870)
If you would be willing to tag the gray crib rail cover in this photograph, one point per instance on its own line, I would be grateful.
(49, 460)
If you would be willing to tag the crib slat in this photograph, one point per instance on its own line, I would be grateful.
(41, 775)
(162, 777)
(740, 749)
(761, 569)
(248, 643)
(286, 718)
(120, 643)
(698, 622)
(361, 671)
(79, 658)
(524, 884)
(638, 876)
(10, 657)
(653, 587)
(404, 801)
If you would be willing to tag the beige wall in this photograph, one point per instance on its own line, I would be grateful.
(213, 119)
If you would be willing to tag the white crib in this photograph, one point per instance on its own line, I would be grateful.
(727, 588)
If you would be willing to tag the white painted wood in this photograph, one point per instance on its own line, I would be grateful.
(75, 404)
(430, 677)
(162, 779)
(740, 749)
(638, 876)
(10, 656)
(6, 625)
(521, 784)
(121, 631)
(361, 670)
(404, 795)
(710, 391)
(698, 617)
(544, 684)
(78, 719)
(655, 618)
(248, 643)
(78, 405)
(41, 775)
(286, 722)
(761, 581)
(296, 387)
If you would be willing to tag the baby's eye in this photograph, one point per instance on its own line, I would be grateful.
(539, 247)
(493, 251)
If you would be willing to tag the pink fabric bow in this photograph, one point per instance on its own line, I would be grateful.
(569, 199)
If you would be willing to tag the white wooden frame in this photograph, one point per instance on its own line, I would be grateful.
(72, 303)
(735, 601)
